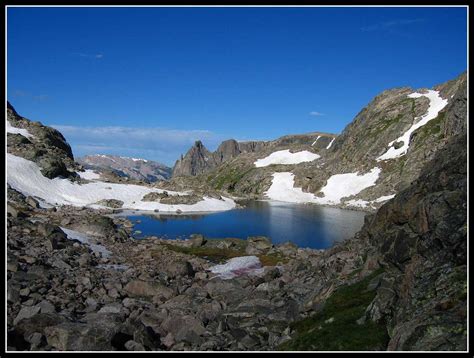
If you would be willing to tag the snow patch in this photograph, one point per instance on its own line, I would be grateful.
(76, 235)
(89, 175)
(384, 198)
(15, 130)
(357, 203)
(342, 185)
(136, 159)
(26, 177)
(106, 157)
(238, 266)
(282, 189)
(329, 145)
(316, 140)
(363, 203)
(115, 267)
(436, 105)
(286, 157)
(337, 187)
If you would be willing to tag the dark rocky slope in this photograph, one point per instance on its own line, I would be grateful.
(420, 237)
(47, 147)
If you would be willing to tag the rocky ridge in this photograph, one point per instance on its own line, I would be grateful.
(137, 169)
(355, 150)
(198, 160)
(45, 146)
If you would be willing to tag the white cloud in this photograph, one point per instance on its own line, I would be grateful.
(160, 144)
(314, 113)
(88, 55)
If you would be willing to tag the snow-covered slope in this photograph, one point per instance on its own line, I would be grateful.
(15, 130)
(89, 174)
(436, 105)
(338, 186)
(25, 176)
(286, 157)
(283, 189)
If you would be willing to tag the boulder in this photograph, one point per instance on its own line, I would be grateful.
(179, 268)
(257, 245)
(134, 346)
(184, 328)
(197, 240)
(111, 203)
(26, 312)
(148, 289)
(52, 168)
(32, 202)
(98, 333)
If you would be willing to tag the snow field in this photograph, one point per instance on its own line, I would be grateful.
(89, 175)
(337, 187)
(286, 157)
(26, 177)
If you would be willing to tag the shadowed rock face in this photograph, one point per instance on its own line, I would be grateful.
(196, 161)
(47, 147)
(420, 236)
(199, 160)
(227, 150)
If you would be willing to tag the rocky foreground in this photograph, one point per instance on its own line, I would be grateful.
(400, 284)
(148, 295)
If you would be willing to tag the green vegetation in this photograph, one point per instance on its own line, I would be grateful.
(335, 327)
(229, 178)
(412, 107)
(430, 129)
(385, 124)
(220, 255)
(211, 253)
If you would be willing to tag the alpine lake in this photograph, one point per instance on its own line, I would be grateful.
(307, 226)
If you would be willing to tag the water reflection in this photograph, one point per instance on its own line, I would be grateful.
(305, 225)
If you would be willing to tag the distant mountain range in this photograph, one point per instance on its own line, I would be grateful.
(139, 169)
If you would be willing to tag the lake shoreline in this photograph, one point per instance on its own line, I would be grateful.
(307, 226)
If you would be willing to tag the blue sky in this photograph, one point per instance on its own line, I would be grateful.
(148, 82)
